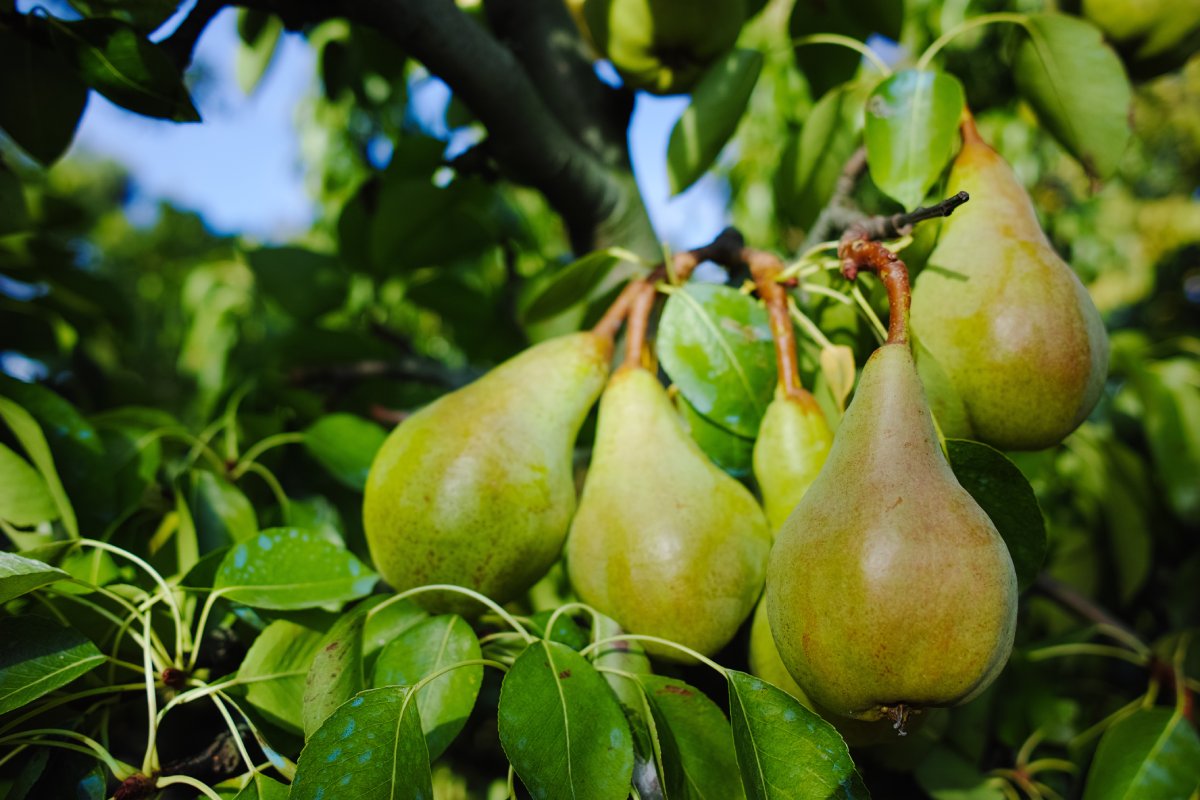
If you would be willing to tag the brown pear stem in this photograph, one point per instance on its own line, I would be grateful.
(966, 125)
(641, 305)
(858, 252)
(765, 268)
(610, 323)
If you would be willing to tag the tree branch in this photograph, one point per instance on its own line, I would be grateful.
(181, 44)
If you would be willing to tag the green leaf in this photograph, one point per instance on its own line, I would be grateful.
(566, 630)
(304, 283)
(221, 513)
(275, 669)
(384, 626)
(702, 741)
(371, 748)
(345, 445)
(29, 434)
(41, 97)
(291, 568)
(146, 15)
(911, 131)
(1170, 392)
(128, 69)
(1006, 496)
(946, 775)
(258, 47)
(336, 674)
(14, 213)
(730, 452)
(715, 343)
(831, 134)
(572, 284)
(19, 575)
(1078, 88)
(621, 654)
(718, 103)
(263, 788)
(418, 224)
(1152, 753)
(39, 655)
(561, 726)
(422, 650)
(783, 749)
(24, 498)
(825, 66)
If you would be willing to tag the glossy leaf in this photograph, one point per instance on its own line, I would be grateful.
(727, 450)
(702, 740)
(39, 655)
(29, 434)
(1005, 495)
(1077, 86)
(41, 97)
(263, 788)
(19, 575)
(222, 514)
(290, 568)
(572, 284)
(825, 66)
(370, 748)
(24, 497)
(345, 445)
(422, 650)
(911, 131)
(304, 283)
(336, 673)
(717, 105)
(561, 726)
(274, 672)
(783, 749)
(1154, 752)
(128, 69)
(715, 343)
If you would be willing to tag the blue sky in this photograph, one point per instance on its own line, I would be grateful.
(241, 167)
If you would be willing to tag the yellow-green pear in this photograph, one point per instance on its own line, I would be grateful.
(663, 542)
(476, 489)
(793, 441)
(663, 46)
(1005, 317)
(889, 590)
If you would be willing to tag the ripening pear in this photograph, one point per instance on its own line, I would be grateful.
(1003, 314)
(793, 441)
(663, 46)
(477, 489)
(663, 542)
(889, 590)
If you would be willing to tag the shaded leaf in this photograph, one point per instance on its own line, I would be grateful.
(783, 749)
(345, 445)
(263, 788)
(911, 131)
(422, 650)
(41, 97)
(304, 283)
(727, 450)
(291, 568)
(717, 105)
(825, 66)
(715, 343)
(259, 41)
(221, 513)
(39, 655)
(29, 434)
(19, 575)
(946, 775)
(1005, 495)
(1077, 86)
(24, 497)
(561, 726)
(275, 669)
(370, 748)
(14, 213)
(1152, 753)
(571, 284)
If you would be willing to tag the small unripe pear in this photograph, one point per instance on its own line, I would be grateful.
(793, 441)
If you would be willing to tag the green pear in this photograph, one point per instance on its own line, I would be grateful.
(1005, 317)
(889, 590)
(663, 46)
(663, 542)
(477, 488)
(793, 441)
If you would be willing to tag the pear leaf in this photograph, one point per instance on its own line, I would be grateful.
(709, 121)
(19, 575)
(783, 749)
(336, 672)
(39, 655)
(41, 96)
(572, 284)
(274, 671)
(1154, 752)
(911, 130)
(29, 434)
(24, 496)
(1078, 88)
(345, 445)
(561, 726)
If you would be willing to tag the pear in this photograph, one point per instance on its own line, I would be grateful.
(1005, 317)
(663, 542)
(477, 489)
(793, 441)
(889, 590)
(663, 46)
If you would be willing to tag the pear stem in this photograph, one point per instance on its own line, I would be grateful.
(640, 307)
(765, 268)
(858, 252)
